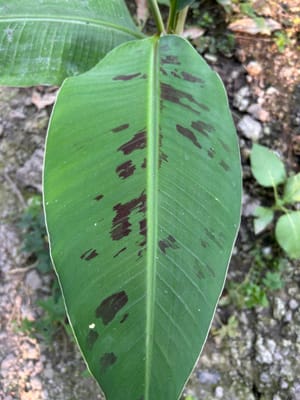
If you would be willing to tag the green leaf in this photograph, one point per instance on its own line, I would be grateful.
(46, 42)
(288, 233)
(180, 4)
(266, 166)
(263, 216)
(292, 189)
(142, 195)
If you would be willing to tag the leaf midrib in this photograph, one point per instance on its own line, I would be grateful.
(152, 215)
(68, 20)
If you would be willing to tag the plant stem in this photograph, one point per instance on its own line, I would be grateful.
(157, 16)
(172, 19)
(181, 20)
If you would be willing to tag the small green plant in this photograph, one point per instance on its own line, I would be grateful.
(281, 40)
(142, 183)
(269, 171)
(263, 278)
(34, 233)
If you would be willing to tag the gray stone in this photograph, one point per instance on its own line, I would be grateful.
(241, 98)
(250, 128)
(219, 392)
(33, 280)
(293, 304)
(209, 377)
(264, 355)
(278, 309)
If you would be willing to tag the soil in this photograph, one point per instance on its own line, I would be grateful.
(252, 352)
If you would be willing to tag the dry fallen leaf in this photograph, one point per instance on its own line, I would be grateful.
(43, 100)
(142, 11)
(193, 32)
(251, 26)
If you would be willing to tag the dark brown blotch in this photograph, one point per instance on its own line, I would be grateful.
(138, 142)
(120, 128)
(144, 163)
(204, 244)
(99, 197)
(175, 74)
(125, 170)
(123, 319)
(189, 135)
(173, 60)
(191, 78)
(211, 152)
(89, 255)
(225, 146)
(213, 238)
(121, 226)
(224, 165)
(91, 339)
(163, 71)
(168, 243)
(119, 252)
(128, 77)
(176, 96)
(202, 127)
(107, 360)
(110, 306)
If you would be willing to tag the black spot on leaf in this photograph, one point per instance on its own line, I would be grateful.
(138, 142)
(120, 128)
(125, 316)
(125, 170)
(99, 197)
(91, 338)
(189, 135)
(168, 243)
(89, 255)
(107, 360)
(120, 251)
(121, 226)
(127, 77)
(144, 163)
(111, 306)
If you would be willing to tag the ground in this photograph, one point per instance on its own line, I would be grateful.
(253, 350)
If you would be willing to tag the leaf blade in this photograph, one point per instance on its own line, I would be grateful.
(45, 45)
(266, 166)
(161, 185)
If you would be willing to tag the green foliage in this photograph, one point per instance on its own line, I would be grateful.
(269, 171)
(34, 235)
(142, 186)
(263, 278)
(281, 40)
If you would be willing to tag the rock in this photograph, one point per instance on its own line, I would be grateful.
(241, 98)
(33, 280)
(209, 377)
(250, 26)
(254, 68)
(250, 128)
(259, 113)
(30, 175)
(219, 392)
(293, 304)
(278, 308)
(264, 353)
